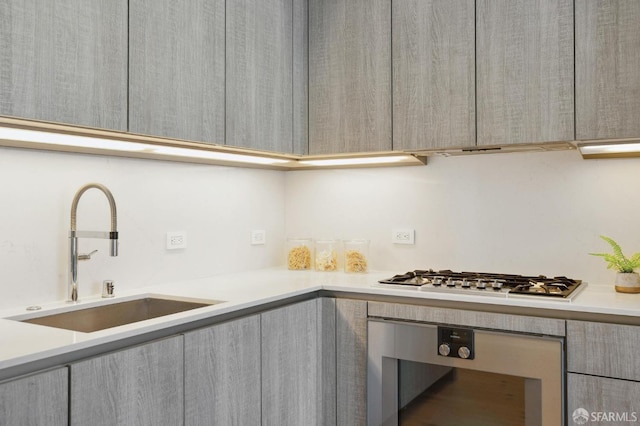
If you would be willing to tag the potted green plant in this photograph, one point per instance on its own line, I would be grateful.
(627, 280)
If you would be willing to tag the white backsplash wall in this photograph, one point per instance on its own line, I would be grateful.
(524, 213)
(216, 206)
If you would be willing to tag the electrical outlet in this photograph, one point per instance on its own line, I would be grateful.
(403, 236)
(258, 237)
(176, 240)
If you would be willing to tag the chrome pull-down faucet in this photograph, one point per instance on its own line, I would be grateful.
(74, 235)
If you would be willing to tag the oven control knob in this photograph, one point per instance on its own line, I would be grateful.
(444, 349)
(464, 352)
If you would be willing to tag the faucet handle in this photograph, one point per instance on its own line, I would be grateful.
(87, 256)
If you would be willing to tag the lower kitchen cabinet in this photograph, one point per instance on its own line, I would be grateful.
(601, 349)
(292, 364)
(602, 399)
(603, 371)
(222, 374)
(142, 385)
(38, 399)
(274, 368)
(351, 365)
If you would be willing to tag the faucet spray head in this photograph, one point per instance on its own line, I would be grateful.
(113, 246)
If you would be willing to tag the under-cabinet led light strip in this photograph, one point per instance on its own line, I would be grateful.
(594, 150)
(20, 133)
(49, 138)
(355, 161)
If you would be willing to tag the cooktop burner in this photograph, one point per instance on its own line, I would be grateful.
(490, 284)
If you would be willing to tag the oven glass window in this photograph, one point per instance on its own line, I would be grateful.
(436, 395)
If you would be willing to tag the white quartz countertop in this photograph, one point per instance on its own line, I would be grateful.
(22, 343)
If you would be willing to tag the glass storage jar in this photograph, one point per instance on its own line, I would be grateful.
(299, 253)
(327, 255)
(356, 256)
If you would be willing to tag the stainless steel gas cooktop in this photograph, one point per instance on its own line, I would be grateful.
(489, 284)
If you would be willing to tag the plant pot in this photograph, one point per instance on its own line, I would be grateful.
(628, 282)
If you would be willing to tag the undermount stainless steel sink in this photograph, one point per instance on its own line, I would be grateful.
(110, 315)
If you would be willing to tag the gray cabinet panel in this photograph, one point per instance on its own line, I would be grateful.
(300, 77)
(607, 62)
(349, 76)
(351, 365)
(142, 386)
(222, 374)
(40, 399)
(259, 63)
(603, 349)
(433, 74)
(176, 75)
(289, 357)
(64, 61)
(604, 396)
(326, 368)
(524, 71)
(507, 322)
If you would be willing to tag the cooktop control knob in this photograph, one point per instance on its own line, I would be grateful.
(444, 349)
(464, 352)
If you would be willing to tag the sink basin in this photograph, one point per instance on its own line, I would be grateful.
(110, 315)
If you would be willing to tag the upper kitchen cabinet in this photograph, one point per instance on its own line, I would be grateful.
(607, 69)
(433, 74)
(259, 63)
(349, 76)
(176, 74)
(300, 77)
(524, 61)
(64, 61)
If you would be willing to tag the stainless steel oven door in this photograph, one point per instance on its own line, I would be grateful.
(404, 362)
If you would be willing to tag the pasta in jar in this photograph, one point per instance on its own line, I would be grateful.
(299, 254)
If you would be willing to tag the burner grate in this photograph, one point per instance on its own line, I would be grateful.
(540, 285)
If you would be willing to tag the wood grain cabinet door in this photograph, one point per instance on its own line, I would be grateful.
(64, 61)
(349, 76)
(525, 63)
(259, 70)
(602, 349)
(176, 74)
(607, 64)
(603, 400)
(222, 374)
(298, 364)
(351, 361)
(38, 399)
(433, 74)
(142, 385)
